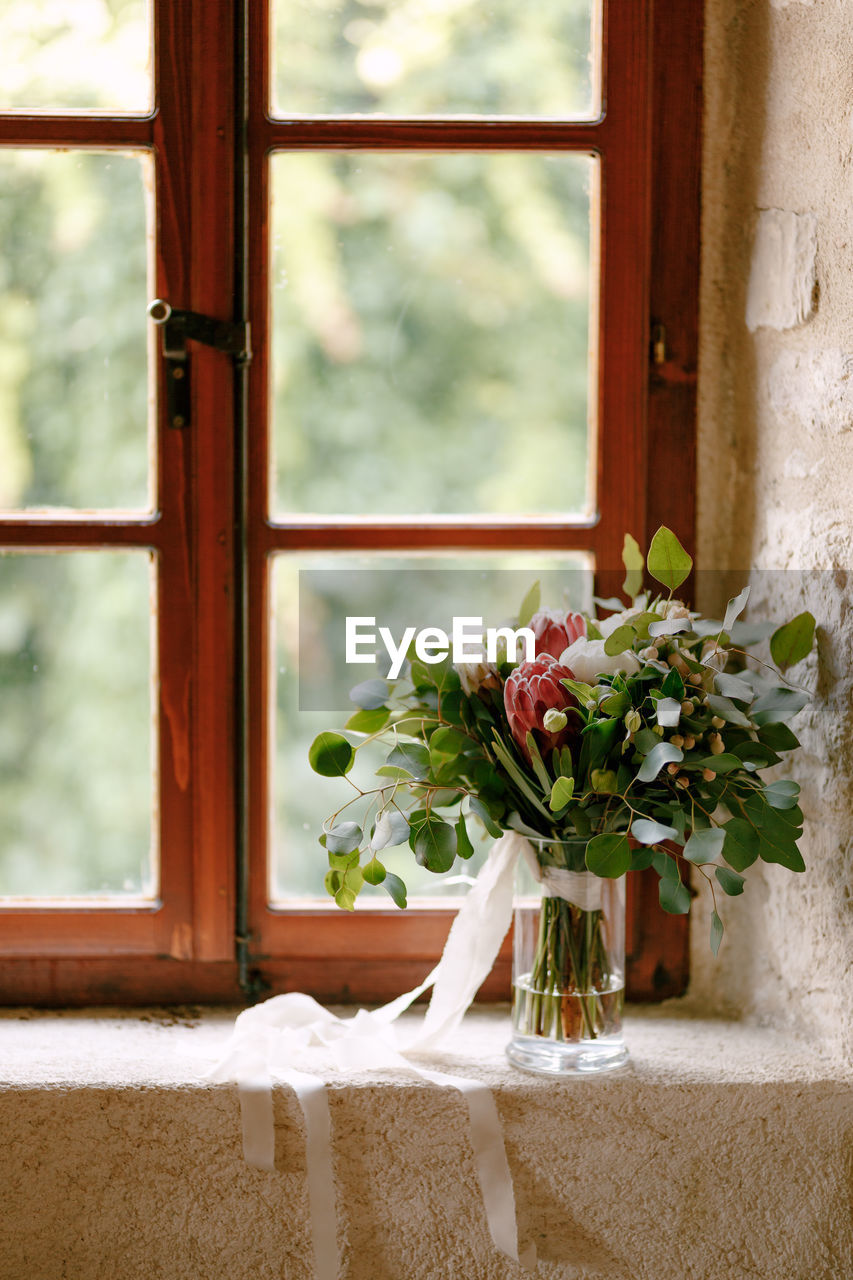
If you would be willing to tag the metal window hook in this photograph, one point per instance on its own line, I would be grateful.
(231, 337)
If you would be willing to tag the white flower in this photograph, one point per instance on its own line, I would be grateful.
(609, 625)
(587, 659)
(474, 676)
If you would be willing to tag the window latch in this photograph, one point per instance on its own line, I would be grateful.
(231, 337)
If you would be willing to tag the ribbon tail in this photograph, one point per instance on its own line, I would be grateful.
(473, 943)
(256, 1117)
(322, 1213)
(490, 1161)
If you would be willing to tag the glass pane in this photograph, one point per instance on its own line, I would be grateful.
(432, 319)
(75, 55)
(444, 57)
(74, 396)
(312, 597)
(76, 731)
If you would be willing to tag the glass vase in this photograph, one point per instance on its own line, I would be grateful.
(568, 977)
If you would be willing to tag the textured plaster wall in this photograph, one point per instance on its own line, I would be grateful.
(775, 455)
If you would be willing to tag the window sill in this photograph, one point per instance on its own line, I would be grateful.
(720, 1151)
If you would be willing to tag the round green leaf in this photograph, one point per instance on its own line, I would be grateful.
(368, 721)
(343, 838)
(730, 882)
(704, 846)
(370, 694)
(331, 755)
(435, 845)
(667, 560)
(373, 871)
(395, 887)
(648, 832)
(609, 855)
(791, 643)
(663, 753)
(673, 895)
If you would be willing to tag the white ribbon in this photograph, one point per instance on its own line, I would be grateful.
(271, 1038)
(581, 888)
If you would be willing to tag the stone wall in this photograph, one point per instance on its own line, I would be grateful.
(775, 454)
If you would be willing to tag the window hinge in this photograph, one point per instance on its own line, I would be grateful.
(659, 352)
(229, 336)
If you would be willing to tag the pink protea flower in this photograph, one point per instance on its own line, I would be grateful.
(533, 689)
(555, 631)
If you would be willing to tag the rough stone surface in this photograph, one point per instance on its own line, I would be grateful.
(775, 456)
(721, 1153)
(812, 390)
(782, 276)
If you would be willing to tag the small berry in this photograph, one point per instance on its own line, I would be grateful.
(683, 782)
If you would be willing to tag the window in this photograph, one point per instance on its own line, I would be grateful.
(381, 194)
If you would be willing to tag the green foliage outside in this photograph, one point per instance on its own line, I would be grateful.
(431, 323)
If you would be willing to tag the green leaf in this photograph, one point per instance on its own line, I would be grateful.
(673, 896)
(648, 832)
(411, 756)
(716, 932)
(434, 844)
(616, 704)
(566, 768)
(778, 737)
(664, 753)
(394, 886)
(561, 793)
(584, 693)
(632, 558)
(667, 560)
(730, 882)
(604, 781)
(673, 685)
(391, 771)
(756, 753)
(735, 608)
(529, 604)
(450, 742)
(537, 764)
(732, 687)
(704, 846)
(641, 858)
(464, 847)
(779, 704)
(391, 829)
(777, 847)
(723, 763)
(504, 756)
(609, 855)
(782, 794)
(740, 848)
(727, 710)
(619, 640)
(343, 838)
(343, 861)
(476, 806)
(331, 755)
(349, 889)
(598, 738)
(792, 642)
(370, 694)
(368, 721)
(373, 871)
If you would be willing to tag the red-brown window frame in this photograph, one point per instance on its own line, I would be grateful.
(648, 140)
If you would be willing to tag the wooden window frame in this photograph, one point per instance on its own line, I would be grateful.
(215, 540)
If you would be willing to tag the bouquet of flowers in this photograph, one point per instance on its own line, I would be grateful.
(631, 739)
